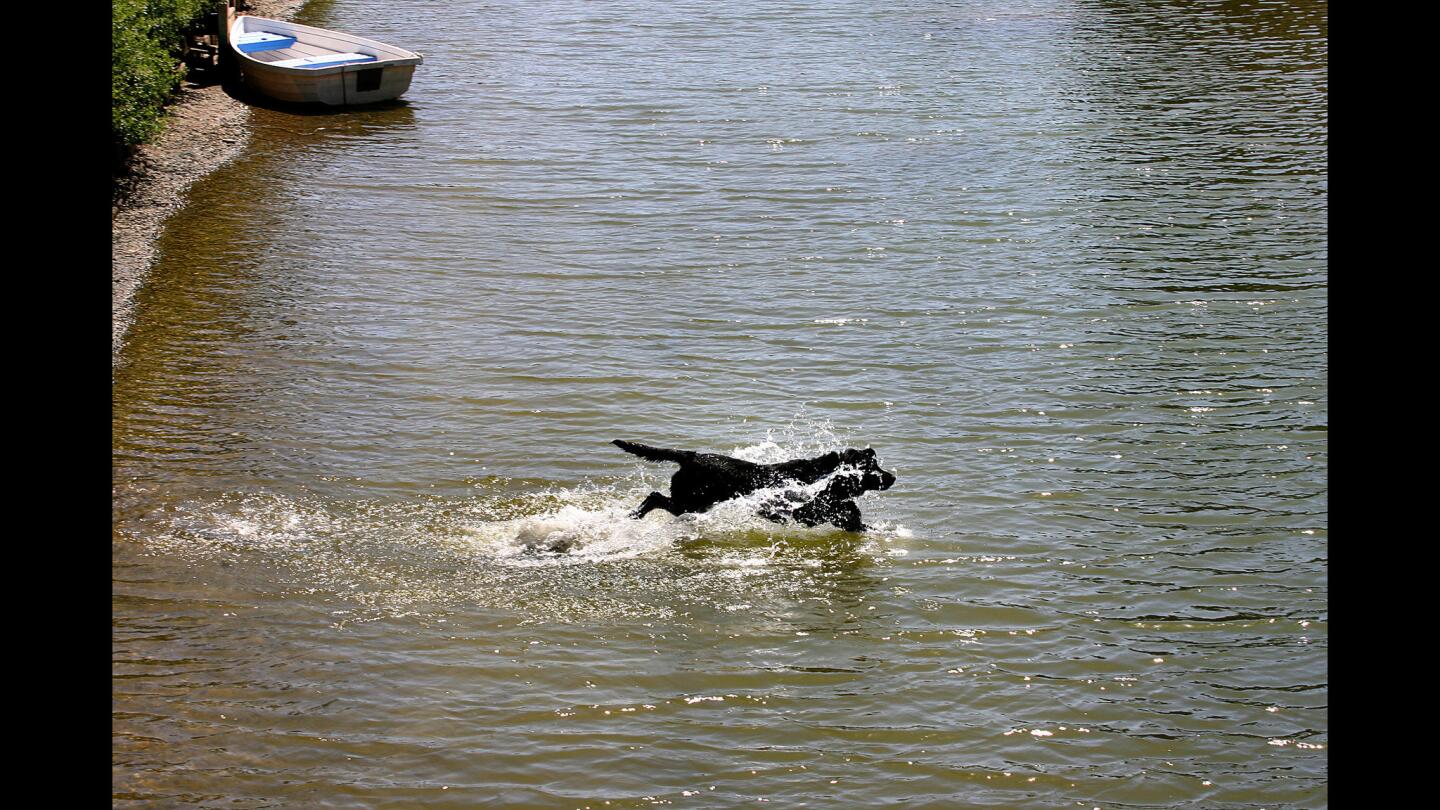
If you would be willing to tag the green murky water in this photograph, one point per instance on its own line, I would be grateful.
(1063, 264)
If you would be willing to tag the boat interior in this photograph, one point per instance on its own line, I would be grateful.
(287, 50)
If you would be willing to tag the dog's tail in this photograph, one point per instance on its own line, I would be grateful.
(654, 453)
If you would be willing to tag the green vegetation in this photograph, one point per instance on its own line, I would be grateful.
(146, 38)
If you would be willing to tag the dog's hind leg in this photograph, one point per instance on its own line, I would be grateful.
(654, 501)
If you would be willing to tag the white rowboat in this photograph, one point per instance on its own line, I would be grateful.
(304, 65)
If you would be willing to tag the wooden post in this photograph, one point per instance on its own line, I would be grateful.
(224, 17)
(225, 14)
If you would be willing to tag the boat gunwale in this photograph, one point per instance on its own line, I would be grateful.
(239, 27)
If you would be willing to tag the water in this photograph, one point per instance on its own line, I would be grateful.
(1063, 264)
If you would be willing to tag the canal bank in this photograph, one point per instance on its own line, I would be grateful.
(204, 128)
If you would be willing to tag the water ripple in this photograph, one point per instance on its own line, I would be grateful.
(1064, 265)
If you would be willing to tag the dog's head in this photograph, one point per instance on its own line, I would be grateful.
(871, 477)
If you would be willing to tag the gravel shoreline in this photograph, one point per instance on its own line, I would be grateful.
(204, 128)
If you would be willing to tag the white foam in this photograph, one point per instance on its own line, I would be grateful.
(393, 557)
(579, 532)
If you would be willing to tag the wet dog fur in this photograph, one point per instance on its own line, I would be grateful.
(705, 479)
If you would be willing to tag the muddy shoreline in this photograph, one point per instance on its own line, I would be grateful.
(204, 128)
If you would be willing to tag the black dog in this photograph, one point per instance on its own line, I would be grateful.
(706, 479)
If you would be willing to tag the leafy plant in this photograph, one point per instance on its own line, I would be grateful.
(146, 37)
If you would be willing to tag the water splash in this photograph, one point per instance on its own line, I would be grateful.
(583, 528)
(563, 551)
(803, 437)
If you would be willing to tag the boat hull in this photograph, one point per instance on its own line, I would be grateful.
(384, 75)
(337, 89)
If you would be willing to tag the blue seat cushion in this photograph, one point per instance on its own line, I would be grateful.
(262, 41)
